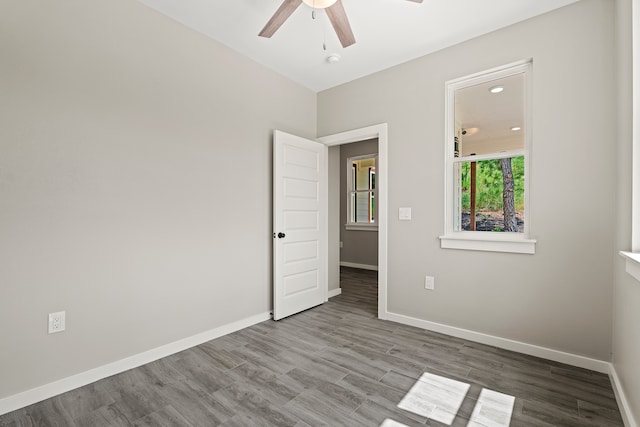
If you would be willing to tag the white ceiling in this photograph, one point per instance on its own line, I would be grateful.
(388, 32)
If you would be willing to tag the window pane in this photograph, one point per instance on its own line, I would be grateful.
(362, 207)
(352, 204)
(362, 190)
(363, 174)
(489, 195)
(490, 122)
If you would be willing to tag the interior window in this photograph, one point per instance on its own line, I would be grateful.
(361, 185)
(487, 161)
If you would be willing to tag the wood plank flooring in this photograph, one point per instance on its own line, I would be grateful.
(334, 365)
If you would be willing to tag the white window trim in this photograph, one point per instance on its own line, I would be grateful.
(632, 257)
(360, 226)
(632, 265)
(635, 132)
(483, 240)
(493, 156)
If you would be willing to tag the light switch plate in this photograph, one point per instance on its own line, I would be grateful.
(404, 214)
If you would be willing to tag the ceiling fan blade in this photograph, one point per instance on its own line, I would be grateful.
(416, 1)
(338, 18)
(284, 11)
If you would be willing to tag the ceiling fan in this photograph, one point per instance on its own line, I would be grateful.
(335, 12)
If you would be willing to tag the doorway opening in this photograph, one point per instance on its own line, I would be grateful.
(358, 208)
(359, 290)
(358, 226)
(379, 134)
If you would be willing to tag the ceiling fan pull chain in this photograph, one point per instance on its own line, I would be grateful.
(324, 36)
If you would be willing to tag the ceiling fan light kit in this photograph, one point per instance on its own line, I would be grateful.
(335, 12)
(319, 4)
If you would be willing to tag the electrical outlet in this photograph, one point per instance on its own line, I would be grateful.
(429, 283)
(57, 322)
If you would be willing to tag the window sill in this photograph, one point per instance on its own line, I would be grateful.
(472, 241)
(361, 227)
(632, 263)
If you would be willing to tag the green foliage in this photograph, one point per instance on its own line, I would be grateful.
(489, 184)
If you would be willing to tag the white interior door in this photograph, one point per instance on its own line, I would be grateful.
(299, 224)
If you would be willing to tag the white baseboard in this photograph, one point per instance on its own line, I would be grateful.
(46, 391)
(361, 266)
(621, 398)
(29, 397)
(505, 343)
(334, 292)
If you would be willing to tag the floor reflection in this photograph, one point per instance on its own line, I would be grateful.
(439, 398)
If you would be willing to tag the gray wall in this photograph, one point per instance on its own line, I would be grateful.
(559, 298)
(626, 290)
(358, 247)
(117, 144)
(135, 183)
(334, 218)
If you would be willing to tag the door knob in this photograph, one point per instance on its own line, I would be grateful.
(281, 235)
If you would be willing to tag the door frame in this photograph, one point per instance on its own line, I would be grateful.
(379, 131)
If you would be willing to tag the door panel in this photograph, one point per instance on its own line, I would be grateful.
(299, 224)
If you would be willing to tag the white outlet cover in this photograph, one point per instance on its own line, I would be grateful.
(57, 322)
(429, 283)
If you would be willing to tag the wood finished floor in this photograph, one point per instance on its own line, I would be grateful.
(334, 365)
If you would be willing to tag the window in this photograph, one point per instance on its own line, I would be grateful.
(361, 192)
(633, 256)
(487, 161)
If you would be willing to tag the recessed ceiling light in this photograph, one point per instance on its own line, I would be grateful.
(496, 89)
(516, 128)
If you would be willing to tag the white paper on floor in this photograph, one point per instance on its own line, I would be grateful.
(493, 409)
(435, 397)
